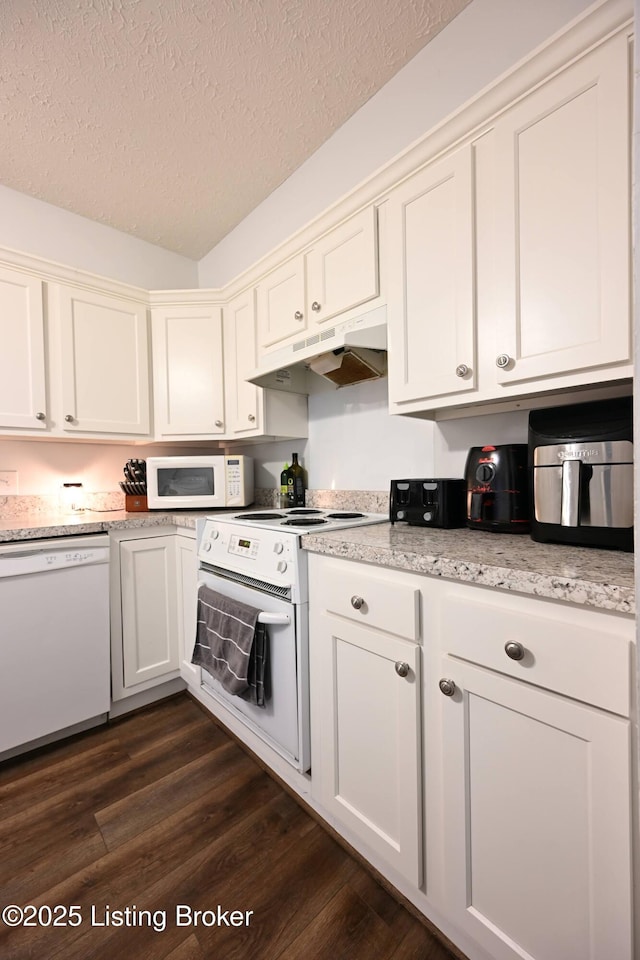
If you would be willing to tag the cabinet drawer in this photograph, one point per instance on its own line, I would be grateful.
(372, 600)
(582, 654)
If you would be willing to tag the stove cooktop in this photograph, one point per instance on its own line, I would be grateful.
(302, 519)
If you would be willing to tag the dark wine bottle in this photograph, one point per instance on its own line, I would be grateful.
(295, 483)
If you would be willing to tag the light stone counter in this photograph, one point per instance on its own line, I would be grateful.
(42, 526)
(595, 578)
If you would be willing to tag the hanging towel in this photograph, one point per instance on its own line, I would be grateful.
(231, 645)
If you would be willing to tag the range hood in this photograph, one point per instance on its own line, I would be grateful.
(345, 353)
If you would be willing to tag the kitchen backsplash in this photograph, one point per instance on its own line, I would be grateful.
(368, 501)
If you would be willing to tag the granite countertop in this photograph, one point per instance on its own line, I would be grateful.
(38, 526)
(595, 578)
(580, 575)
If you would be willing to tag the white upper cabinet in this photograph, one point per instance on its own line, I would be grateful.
(282, 304)
(188, 380)
(431, 281)
(563, 222)
(342, 267)
(243, 398)
(339, 272)
(23, 402)
(104, 363)
(253, 411)
(509, 256)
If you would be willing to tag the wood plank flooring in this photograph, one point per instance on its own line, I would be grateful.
(162, 808)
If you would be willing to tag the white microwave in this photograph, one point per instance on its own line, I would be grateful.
(192, 483)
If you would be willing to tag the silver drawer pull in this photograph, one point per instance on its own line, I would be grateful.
(402, 669)
(447, 687)
(514, 650)
(357, 602)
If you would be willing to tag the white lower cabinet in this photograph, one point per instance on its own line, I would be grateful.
(536, 819)
(365, 713)
(522, 739)
(145, 612)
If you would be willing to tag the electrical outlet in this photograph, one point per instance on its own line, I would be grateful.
(8, 482)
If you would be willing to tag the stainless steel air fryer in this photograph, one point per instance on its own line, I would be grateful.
(581, 459)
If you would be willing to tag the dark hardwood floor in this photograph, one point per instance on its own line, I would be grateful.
(162, 809)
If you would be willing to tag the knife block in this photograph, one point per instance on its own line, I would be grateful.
(135, 504)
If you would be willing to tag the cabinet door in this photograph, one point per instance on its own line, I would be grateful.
(149, 614)
(431, 312)
(22, 373)
(281, 304)
(368, 718)
(562, 221)
(187, 579)
(537, 819)
(105, 363)
(342, 267)
(240, 357)
(188, 372)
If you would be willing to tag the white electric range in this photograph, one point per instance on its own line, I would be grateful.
(255, 557)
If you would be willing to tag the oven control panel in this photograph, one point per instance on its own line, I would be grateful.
(264, 554)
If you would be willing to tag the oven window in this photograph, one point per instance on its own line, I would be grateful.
(186, 482)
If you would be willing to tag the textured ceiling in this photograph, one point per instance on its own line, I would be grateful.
(172, 119)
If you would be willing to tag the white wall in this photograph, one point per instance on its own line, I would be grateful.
(353, 442)
(43, 230)
(44, 465)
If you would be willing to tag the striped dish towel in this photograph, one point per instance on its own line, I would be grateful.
(231, 645)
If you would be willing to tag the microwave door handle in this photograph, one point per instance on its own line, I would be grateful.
(570, 493)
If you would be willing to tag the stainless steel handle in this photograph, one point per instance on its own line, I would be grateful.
(315, 306)
(298, 315)
(251, 418)
(41, 416)
(514, 650)
(357, 602)
(218, 423)
(503, 360)
(69, 418)
(402, 669)
(462, 370)
(570, 493)
(447, 687)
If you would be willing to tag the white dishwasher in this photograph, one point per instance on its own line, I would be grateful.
(54, 637)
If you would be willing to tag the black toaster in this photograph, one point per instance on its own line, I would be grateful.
(428, 503)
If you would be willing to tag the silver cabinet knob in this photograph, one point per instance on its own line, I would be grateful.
(357, 602)
(69, 418)
(41, 416)
(298, 315)
(402, 669)
(447, 687)
(315, 306)
(218, 423)
(251, 418)
(514, 650)
(462, 370)
(503, 360)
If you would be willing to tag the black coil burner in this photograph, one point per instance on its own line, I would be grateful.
(302, 511)
(346, 516)
(304, 521)
(260, 516)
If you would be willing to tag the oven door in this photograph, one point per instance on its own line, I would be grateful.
(283, 722)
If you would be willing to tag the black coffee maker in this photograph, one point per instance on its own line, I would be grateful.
(497, 481)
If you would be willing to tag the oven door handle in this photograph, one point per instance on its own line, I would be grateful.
(273, 617)
(263, 616)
